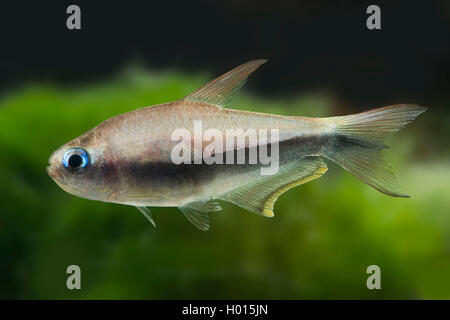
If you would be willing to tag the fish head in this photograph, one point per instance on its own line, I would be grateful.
(81, 167)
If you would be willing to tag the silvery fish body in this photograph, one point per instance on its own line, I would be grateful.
(191, 151)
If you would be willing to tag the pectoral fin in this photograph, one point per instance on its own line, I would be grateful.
(220, 90)
(197, 213)
(148, 214)
(259, 196)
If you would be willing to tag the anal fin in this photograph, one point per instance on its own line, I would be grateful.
(260, 195)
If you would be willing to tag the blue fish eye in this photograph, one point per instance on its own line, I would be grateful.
(75, 159)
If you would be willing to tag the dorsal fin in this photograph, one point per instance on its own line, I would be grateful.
(259, 196)
(220, 90)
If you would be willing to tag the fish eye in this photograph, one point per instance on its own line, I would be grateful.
(76, 159)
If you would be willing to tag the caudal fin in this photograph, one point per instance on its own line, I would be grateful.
(358, 139)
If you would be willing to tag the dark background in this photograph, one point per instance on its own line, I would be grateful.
(309, 44)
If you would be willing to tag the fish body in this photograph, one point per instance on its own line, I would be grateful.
(129, 159)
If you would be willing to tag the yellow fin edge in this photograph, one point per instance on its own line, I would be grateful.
(268, 205)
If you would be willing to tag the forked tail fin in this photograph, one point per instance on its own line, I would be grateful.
(357, 140)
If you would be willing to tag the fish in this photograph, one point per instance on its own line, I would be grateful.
(131, 158)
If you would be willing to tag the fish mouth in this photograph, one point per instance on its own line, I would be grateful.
(51, 172)
(56, 177)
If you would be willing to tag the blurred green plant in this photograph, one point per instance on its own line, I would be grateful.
(323, 237)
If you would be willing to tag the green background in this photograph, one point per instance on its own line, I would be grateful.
(323, 237)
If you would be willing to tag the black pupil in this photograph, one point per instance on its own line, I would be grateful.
(75, 161)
